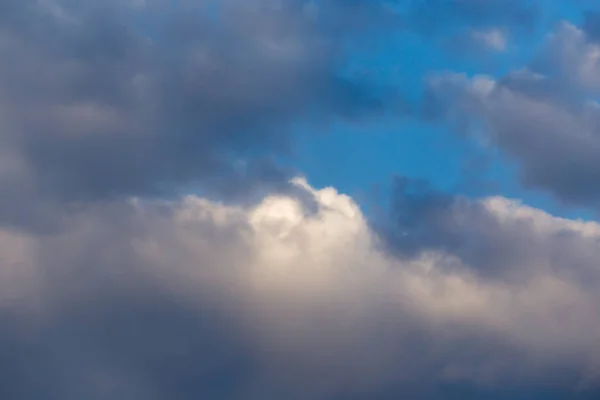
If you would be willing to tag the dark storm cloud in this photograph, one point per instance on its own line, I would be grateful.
(133, 98)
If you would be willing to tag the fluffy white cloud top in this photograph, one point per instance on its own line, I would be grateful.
(151, 297)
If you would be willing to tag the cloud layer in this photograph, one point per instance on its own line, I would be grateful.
(191, 298)
(144, 98)
(115, 282)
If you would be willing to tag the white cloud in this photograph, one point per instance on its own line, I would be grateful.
(323, 308)
(577, 58)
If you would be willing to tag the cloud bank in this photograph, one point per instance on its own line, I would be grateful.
(155, 242)
(191, 298)
(146, 98)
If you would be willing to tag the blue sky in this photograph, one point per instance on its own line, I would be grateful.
(358, 158)
(299, 199)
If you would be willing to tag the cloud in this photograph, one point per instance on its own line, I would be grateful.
(469, 27)
(543, 117)
(106, 100)
(190, 298)
(490, 39)
(110, 110)
(499, 239)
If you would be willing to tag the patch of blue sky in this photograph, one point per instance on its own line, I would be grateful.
(357, 158)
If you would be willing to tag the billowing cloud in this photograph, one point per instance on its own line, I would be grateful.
(190, 298)
(109, 99)
(114, 284)
(544, 117)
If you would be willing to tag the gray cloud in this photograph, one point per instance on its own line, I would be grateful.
(188, 299)
(500, 246)
(543, 117)
(103, 100)
(183, 298)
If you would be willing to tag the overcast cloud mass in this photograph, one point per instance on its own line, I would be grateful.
(159, 239)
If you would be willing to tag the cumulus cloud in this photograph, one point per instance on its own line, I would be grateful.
(544, 116)
(190, 298)
(108, 99)
(497, 238)
(110, 110)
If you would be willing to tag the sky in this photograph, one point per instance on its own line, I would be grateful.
(299, 199)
